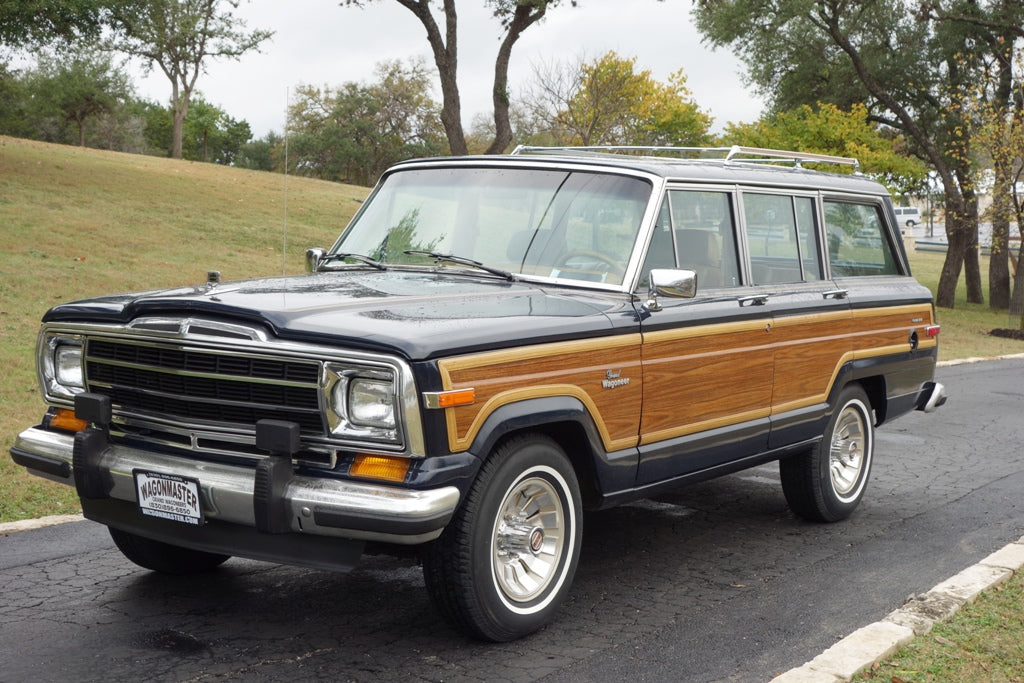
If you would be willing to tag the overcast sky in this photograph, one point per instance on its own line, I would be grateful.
(320, 43)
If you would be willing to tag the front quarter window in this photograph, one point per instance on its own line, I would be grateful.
(533, 222)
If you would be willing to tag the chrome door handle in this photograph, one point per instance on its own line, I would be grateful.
(754, 300)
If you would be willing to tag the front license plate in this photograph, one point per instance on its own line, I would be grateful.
(168, 496)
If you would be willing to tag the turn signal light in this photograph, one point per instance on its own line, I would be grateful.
(450, 399)
(65, 419)
(382, 467)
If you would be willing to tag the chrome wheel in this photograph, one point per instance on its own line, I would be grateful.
(848, 449)
(826, 483)
(506, 560)
(528, 538)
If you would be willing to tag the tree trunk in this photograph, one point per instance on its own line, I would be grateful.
(999, 267)
(446, 58)
(179, 127)
(972, 267)
(1017, 298)
(962, 253)
(524, 17)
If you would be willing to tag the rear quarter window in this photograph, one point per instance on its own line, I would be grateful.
(858, 243)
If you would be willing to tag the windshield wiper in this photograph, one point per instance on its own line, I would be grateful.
(355, 257)
(462, 261)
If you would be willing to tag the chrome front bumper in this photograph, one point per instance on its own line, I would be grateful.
(319, 506)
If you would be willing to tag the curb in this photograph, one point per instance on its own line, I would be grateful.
(871, 644)
(39, 523)
(977, 359)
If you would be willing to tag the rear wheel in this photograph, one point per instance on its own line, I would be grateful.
(826, 483)
(164, 557)
(506, 561)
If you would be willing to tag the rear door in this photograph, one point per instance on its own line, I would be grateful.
(810, 314)
(707, 361)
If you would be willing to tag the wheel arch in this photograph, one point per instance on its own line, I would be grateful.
(563, 419)
(870, 377)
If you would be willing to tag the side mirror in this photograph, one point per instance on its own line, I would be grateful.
(675, 284)
(314, 257)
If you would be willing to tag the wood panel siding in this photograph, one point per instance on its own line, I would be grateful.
(703, 377)
(690, 379)
(577, 368)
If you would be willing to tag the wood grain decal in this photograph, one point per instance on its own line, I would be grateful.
(640, 389)
(576, 369)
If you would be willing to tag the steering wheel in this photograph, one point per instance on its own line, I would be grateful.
(612, 266)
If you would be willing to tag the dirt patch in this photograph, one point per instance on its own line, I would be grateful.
(1007, 333)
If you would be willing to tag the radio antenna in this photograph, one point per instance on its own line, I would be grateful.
(284, 229)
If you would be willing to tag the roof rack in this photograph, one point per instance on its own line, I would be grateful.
(726, 155)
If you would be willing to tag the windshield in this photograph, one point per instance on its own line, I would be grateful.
(557, 223)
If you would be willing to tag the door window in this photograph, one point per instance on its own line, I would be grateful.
(695, 231)
(782, 238)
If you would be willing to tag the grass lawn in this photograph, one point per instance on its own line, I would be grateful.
(76, 223)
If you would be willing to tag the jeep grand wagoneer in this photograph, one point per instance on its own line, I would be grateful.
(492, 346)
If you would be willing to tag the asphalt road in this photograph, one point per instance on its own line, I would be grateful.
(718, 582)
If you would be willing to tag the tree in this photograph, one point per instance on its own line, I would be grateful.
(827, 129)
(354, 132)
(178, 36)
(915, 72)
(515, 16)
(78, 88)
(995, 28)
(211, 135)
(265, 154)
(25, 23)
(609, 102)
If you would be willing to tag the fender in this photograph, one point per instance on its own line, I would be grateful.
(567, 419)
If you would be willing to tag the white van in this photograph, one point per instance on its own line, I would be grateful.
(907, 215)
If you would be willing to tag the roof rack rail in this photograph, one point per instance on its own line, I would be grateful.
(724, 154)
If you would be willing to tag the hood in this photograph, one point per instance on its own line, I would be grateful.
(417, 314)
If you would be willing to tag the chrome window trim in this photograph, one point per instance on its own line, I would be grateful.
(637, 253)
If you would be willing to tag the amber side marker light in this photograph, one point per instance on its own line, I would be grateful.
(65, 419)
(449, 399)
(382, 467)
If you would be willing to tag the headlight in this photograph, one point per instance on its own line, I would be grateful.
(67, 361)
(371, 403)
(362, 402)
(61, 366)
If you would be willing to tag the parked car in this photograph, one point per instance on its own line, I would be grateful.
(492, 346)
(907, 215)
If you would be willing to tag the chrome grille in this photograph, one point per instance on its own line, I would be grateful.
(202, 385)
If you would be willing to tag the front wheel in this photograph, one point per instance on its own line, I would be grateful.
(826, 483)
(164, 557)
(506, 561)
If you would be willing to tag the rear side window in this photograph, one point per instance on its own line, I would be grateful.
(781, 238)
(858, 244)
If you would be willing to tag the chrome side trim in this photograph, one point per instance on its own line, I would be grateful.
(227, 492)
